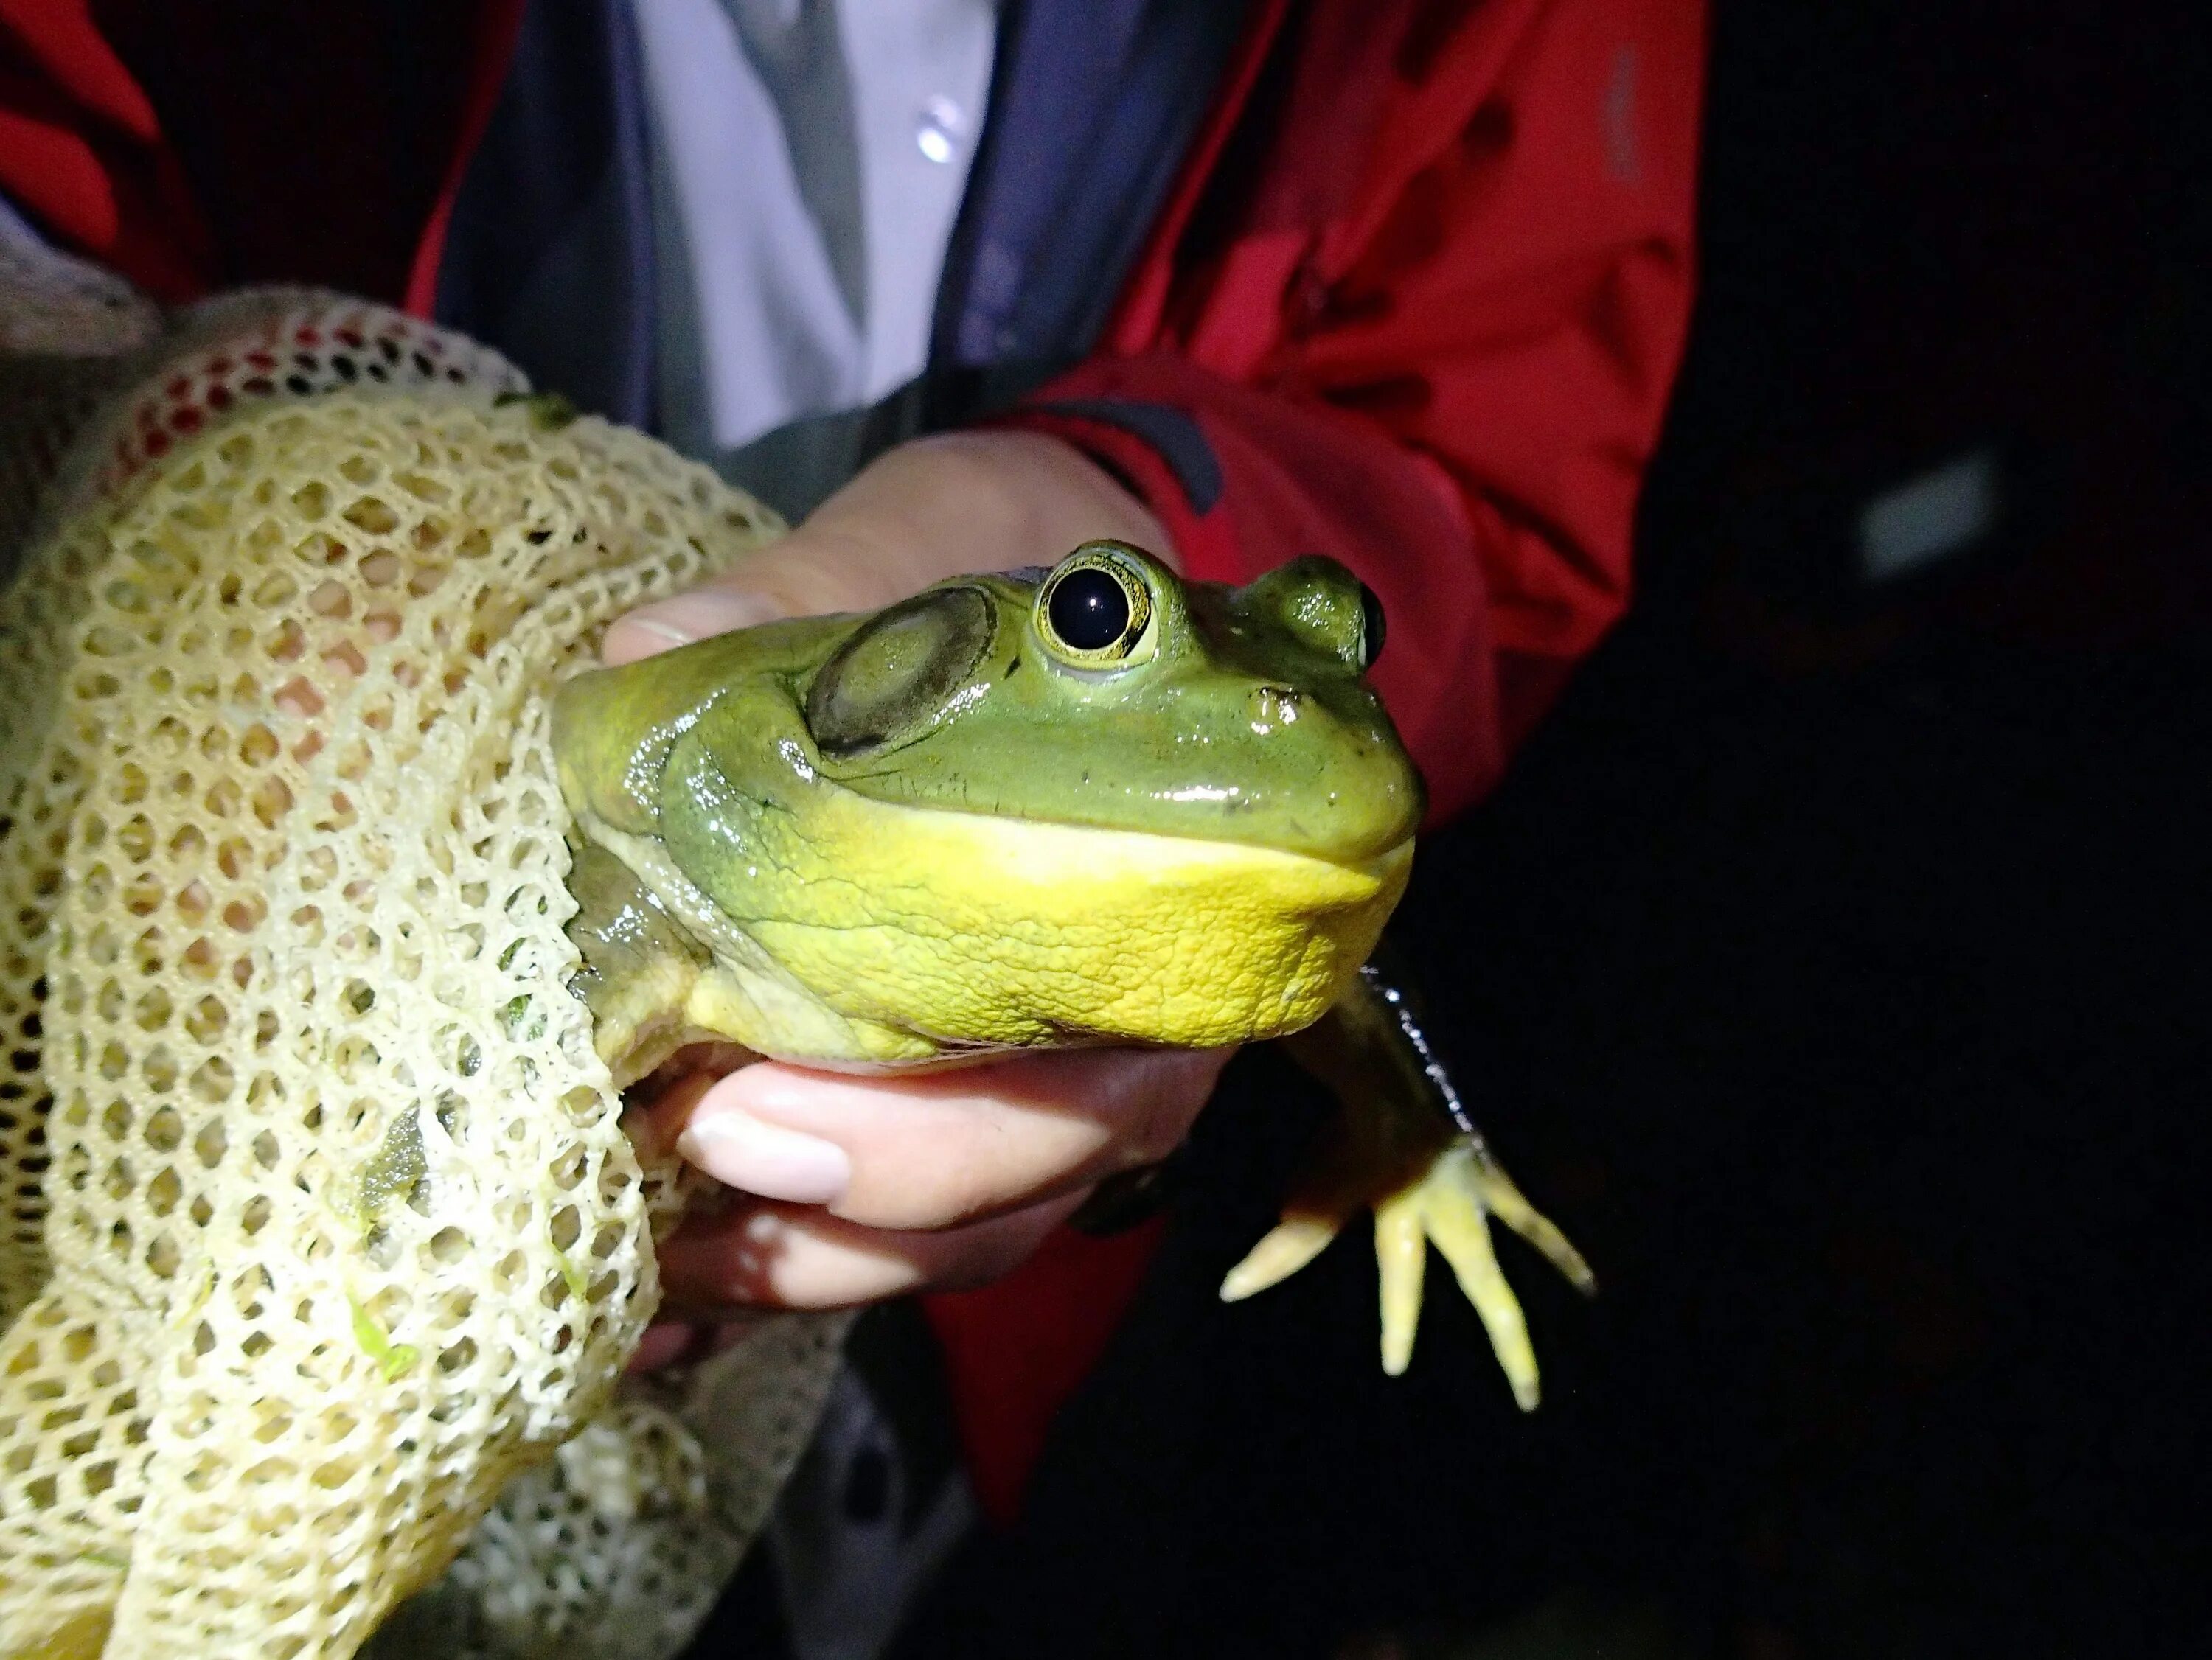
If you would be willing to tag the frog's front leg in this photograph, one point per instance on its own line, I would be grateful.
(639, 968)
(1403, 1144)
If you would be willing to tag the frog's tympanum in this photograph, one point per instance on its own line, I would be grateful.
(1092, 804)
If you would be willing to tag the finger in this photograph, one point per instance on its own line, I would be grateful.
(663, 1343)
(655, 1122)
(809, 573)
(780, 1255)
(687, 1343)
(682, 618)
(933, 508)
(942, 1149)
(1402, 1257)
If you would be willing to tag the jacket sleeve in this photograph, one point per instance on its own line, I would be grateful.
(83, 156)
(1452, 375)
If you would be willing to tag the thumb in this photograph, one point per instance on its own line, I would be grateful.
(932, 508)
(809, 573)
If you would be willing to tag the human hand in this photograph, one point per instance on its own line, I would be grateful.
(937, 507)
(865, 1188)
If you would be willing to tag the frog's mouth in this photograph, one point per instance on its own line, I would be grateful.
(923, 930)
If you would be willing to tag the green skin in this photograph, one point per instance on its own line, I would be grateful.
(1225, 715)
(1186, 737)
(1238, 715)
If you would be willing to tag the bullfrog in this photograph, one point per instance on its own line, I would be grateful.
(1092, 803)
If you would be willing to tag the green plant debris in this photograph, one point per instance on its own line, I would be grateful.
(376, 1342)
(571, 1276)
(548, 411)
(524, 1022)
(397, 1169)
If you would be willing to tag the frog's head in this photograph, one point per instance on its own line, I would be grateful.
(1091, 801)
(1108, 693)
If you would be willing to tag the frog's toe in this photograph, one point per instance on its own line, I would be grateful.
(1453, 1210)
(1494, 1192)
(1401, 1256)
(1450, 1207)
(1289, 1246)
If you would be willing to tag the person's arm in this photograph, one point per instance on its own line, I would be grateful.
(82, 157)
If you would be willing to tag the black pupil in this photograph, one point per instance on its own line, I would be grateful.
(1088, 610)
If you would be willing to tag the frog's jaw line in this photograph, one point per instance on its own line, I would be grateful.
(959, 928)
(743, 995)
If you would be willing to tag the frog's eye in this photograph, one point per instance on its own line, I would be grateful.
(1371, 622)
(1090, 610)
(1321, 606)
(1095, 609)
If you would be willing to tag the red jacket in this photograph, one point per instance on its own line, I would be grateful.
(1425, 300)
(1435, 336)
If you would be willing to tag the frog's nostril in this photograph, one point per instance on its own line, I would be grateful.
(1272, 707)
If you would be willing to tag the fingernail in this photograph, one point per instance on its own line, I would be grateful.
(662, 633)
(660, 1345)
(739, 1151)
(684, 618)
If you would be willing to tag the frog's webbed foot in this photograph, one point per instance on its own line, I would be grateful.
(1450, 1207)
(1394, 1147)
(1448, 1204)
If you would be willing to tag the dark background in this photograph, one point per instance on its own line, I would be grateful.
(1831, 965)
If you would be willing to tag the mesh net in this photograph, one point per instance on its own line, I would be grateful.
(317, 1221)
(617, 1547)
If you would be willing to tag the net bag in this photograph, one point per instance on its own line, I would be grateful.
(319, 1231)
